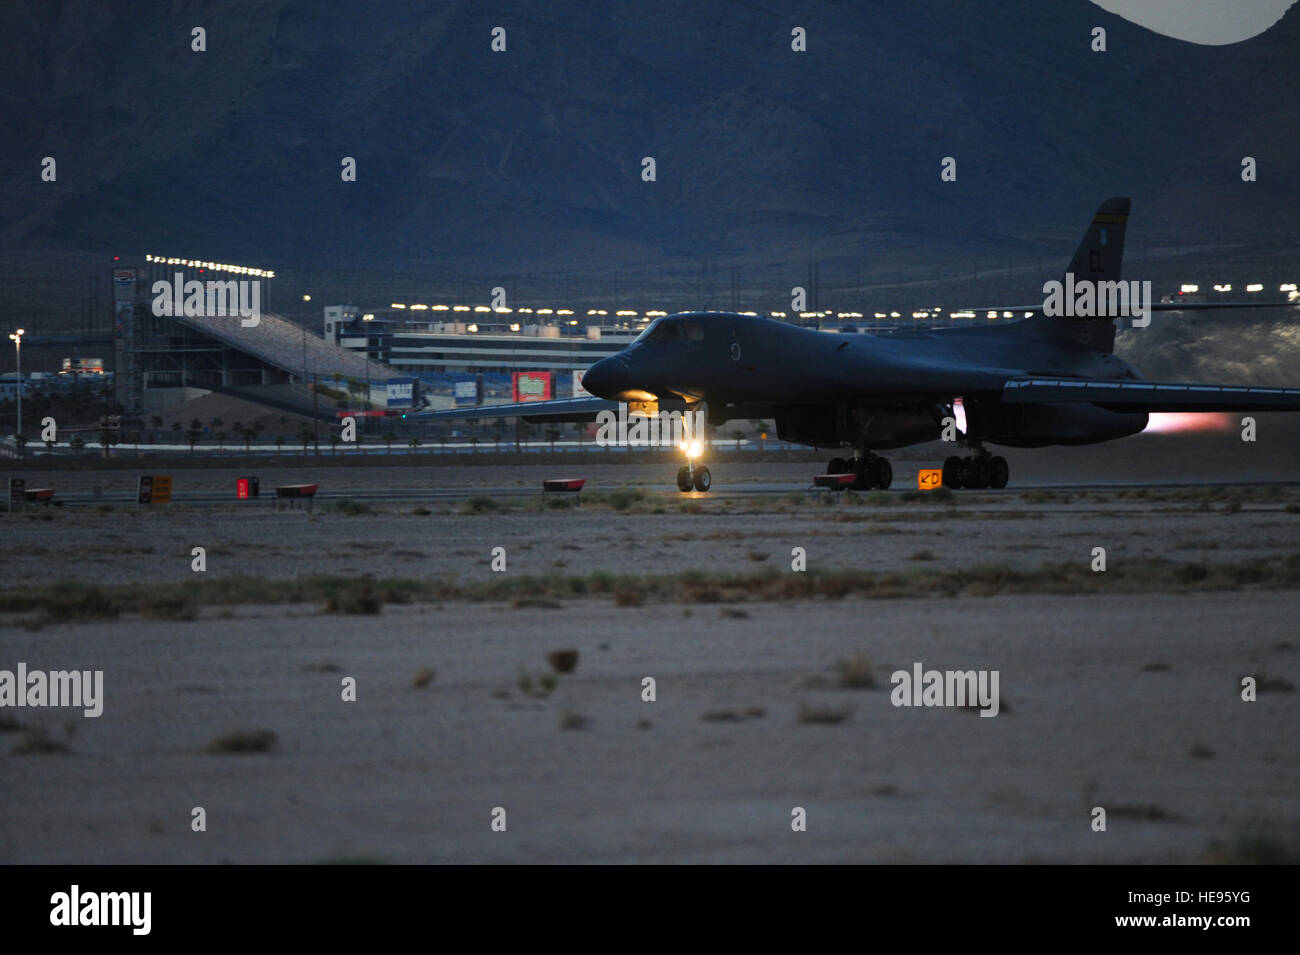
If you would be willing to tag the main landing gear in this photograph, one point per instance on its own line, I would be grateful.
(868, 470)
(980, 470)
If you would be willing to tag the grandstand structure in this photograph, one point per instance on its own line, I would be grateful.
(164, 359)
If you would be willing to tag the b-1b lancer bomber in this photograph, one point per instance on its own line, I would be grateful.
(1050, 379)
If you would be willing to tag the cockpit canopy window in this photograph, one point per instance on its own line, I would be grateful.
(673, 330)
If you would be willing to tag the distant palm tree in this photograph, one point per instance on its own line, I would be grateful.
(247, 434)
(279, 441)
(389, 438)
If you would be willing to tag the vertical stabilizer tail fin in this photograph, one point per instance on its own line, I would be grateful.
(1099, 258)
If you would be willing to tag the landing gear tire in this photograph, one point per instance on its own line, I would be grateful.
(684, 479)
(838, 466)
(863, 474)
(952, 472)
(999, 472)
(884, 474)
(872, 472)
(703, 480)
(975, 472)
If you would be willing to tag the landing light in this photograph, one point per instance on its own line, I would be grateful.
(692, 449)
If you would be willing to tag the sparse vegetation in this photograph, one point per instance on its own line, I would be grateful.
(36, 742)
(168, 608)
(857, 673)
(243, 741)
(355, 597)
(623, 498)
(733, 715)
(812, 714)
(1148, 812)
(569, 720)
(563, 661)
(1267, 683)
(1255, 845)
(76, 601)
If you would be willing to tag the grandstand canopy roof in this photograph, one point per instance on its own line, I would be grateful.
(282, 343)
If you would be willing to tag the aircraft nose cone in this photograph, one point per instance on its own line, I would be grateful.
(606, 378)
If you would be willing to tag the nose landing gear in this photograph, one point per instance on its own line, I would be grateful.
(690, 476)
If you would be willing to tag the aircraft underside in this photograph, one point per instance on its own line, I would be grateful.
(883, 425)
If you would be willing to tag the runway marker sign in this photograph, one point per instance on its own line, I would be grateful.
(928, 479)
(155, 489)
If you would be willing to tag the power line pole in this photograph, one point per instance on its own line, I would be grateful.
(315, 411)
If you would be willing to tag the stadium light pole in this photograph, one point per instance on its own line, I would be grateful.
(305, 300)
(17, 339)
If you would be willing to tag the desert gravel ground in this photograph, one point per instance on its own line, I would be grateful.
(1130, 701)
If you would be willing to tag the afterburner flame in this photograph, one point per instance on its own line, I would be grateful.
(1176, 422)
